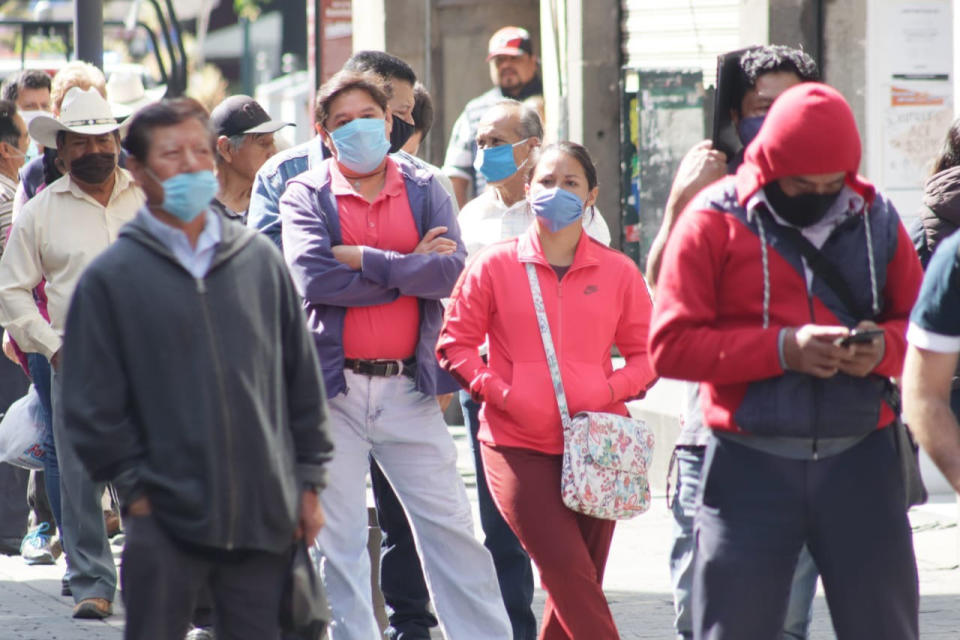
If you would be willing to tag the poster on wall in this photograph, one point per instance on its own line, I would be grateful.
(920, 40)
(918, 105)
(916, 120)
(661, 118)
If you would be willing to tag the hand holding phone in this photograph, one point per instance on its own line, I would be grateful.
(859, 336)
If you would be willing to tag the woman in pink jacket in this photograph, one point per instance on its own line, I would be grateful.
(595, 297)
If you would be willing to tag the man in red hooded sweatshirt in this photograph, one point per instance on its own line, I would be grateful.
(766, 277)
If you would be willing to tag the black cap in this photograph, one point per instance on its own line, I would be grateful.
(239, 115)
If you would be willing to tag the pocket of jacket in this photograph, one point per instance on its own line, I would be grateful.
(587, 388)
(531, 398)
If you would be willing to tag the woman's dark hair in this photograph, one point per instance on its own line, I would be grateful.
(341, 83)
(949, 155)
(576, 151)
(165, 113)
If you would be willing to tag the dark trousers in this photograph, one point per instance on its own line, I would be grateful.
(758, 510)
(401, 575)
(570, 548)
(161, 582)
(13, 506)
(13, 480)
(514, 572)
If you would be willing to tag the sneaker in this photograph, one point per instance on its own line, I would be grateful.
(38, 546)
(93, 609)
(200, 633)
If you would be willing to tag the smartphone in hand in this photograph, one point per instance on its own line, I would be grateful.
(859, 336)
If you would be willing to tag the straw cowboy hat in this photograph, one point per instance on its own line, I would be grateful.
(127, 95)
(83, 111)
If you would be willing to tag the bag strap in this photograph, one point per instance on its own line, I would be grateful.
(825, 270)
(548, 348)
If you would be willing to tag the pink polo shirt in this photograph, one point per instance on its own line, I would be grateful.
(387, 331)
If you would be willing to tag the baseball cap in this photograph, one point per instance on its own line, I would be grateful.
(238, 115)
(509, 41)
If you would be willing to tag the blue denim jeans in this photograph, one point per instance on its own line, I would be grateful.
(39, 368)
(689, 461)
(514, 571)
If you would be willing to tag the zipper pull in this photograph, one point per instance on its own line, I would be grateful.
(201, 286)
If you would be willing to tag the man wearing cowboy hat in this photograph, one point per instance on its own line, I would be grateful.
(127, 95)
(57, 234)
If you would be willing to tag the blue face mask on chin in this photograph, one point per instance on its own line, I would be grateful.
(497, 163)
(748, 128)
(187, 195)
(557, 208)
(361, 144)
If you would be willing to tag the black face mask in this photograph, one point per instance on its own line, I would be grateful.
(399, 134)
(93, 168)
(802, 210)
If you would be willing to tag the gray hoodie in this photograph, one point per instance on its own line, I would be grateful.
(204, 395)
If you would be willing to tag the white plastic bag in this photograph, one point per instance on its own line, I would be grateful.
(21, 432)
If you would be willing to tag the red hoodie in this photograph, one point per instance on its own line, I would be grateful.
(718, 284)
(600, 301)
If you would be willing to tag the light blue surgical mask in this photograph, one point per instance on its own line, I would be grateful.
(557, 207)
(497, 163)
(187, 195)
(361, 144)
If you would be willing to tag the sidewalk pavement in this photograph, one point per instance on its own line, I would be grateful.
(637, 582)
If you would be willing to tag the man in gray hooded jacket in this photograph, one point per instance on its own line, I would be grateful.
(192, 383)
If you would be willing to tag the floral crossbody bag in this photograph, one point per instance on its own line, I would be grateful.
(606, 456)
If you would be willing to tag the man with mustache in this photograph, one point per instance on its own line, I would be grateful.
(513, 70)
(99, 198)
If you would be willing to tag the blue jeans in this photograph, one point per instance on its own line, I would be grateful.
(689, 462)
(39, 368)
(514, 572)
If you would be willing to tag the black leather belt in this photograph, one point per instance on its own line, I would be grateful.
(382, 368)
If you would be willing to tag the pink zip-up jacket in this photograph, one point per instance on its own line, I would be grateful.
(601, 301)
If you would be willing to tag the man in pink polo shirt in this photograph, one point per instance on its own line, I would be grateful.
(373, 247)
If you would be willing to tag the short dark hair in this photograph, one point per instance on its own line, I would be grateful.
(576, 151)
(758, 61)
(422, 110)
(342, 82)
(383, 64)
(9, 131)
(25, 79)
(165, 113)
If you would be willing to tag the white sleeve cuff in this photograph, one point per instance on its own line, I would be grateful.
(937, 342)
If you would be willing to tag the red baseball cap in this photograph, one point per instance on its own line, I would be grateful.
(509, 41)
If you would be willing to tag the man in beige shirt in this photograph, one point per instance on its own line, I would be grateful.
(57, 234)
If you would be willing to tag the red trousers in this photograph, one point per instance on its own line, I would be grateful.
(570, 549)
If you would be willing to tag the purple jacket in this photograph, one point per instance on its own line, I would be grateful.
(311, 226)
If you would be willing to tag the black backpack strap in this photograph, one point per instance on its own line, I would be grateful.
(824, 269)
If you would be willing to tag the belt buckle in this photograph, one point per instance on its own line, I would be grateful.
(399, 367)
